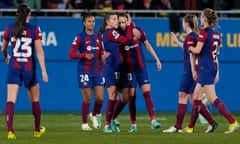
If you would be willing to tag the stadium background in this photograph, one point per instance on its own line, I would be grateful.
(62, 92)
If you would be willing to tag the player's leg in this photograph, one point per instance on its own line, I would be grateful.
(14, 81)
(142, 78)
(33, 93)
(195, 109)
(86, 93)
(31, 83)
(12, 91)
(201, 119)
(95, 116)
(112, 95)
(120, 104)
(123, 87)
(204, 112)
(132, 109)
(111, 79)
(85, 84)
(199, 107)
(150, 106)
(181, 111)
(221, 107)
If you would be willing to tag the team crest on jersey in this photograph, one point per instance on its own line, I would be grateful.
(115, 34)
(127, 48)
(89, 48)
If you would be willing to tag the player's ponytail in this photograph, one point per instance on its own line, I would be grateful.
(195, 24)
(22, 12)
(192, 22)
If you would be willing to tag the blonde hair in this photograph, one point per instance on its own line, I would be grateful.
(192, 20)
(211, 17)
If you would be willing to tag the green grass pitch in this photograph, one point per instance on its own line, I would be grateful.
(65, 128)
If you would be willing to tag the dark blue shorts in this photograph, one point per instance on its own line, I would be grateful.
(187, 84)
(112, 77)
(17, 76)
(86, 80)
(140, 77)
(206, 76)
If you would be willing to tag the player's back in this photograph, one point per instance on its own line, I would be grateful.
(22, 48)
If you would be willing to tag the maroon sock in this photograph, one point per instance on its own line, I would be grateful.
(36, 111)
(181, 111)
(118, 108)
(149, 104)
(132, 108)
(9, 112)
(109, 111)
(194, 114)
(221, 107)
(205, 113)
(97, 108)
(85, 111)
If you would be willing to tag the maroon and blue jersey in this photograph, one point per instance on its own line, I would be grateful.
(89, 72)
(84, 44)
(22, 65)
(111, 41)
(22, 49)
(208, 62)
(190, 41)
(187, 83)
(133, 53)
(134, 60)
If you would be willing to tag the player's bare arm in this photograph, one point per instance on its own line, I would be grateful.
(197, 49)
(153, 53)
(174, 37)
(41, 59)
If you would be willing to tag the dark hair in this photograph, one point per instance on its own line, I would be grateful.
(106, 18)
(192, 21)
(22, 11)
(123, 15)
(211, 17)
(85, 16)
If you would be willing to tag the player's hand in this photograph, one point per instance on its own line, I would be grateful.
(216, 78)
(89, 56)
(129, 21)
(106, 54)
(159, 65)
(7, 60)
(194, 75)
(174, 37)
(45, 76)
